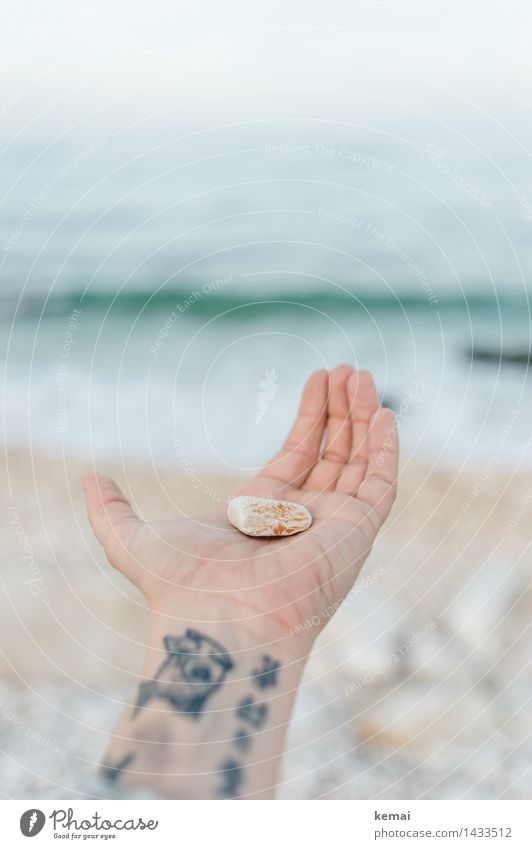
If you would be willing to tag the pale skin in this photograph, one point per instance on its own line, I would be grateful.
(250, 595)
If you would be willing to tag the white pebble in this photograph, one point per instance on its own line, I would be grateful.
(267, 517)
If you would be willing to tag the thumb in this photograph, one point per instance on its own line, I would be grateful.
(112, 518)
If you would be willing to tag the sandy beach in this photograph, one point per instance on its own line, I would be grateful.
(421, 685)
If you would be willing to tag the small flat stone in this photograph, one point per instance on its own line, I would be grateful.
(267, 517)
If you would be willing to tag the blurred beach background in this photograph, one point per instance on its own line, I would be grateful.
(199, 206)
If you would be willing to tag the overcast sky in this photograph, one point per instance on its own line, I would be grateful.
(193, 48)
(153, 87)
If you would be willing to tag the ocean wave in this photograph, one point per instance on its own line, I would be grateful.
(211, 299)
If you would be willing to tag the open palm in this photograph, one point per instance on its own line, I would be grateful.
(339, 460)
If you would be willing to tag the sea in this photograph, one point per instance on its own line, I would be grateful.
(166, 294)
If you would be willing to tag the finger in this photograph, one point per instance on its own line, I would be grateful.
(379, 487)
(110, 514)
(301, 448)
(363, 403)
(338, 440)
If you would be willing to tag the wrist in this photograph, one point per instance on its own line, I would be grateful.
(232, 620)
(210, 715)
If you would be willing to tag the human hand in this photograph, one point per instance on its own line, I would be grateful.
(204, 570)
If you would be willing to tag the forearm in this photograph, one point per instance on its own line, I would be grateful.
(210, 717)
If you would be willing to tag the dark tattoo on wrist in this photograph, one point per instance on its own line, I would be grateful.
(252, 712)
(266, 676)
(112, 772)
(195, 667)
(252, 715)
(232, 774)
(242, 740)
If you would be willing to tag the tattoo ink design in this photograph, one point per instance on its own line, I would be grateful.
(266, 676)
(251, 712)
(232, 776)
(195, 668)
(242, 740)
(113, 772)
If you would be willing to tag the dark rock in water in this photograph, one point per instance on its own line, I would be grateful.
(487, 355)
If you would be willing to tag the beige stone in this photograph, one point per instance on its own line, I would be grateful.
(267, 517)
